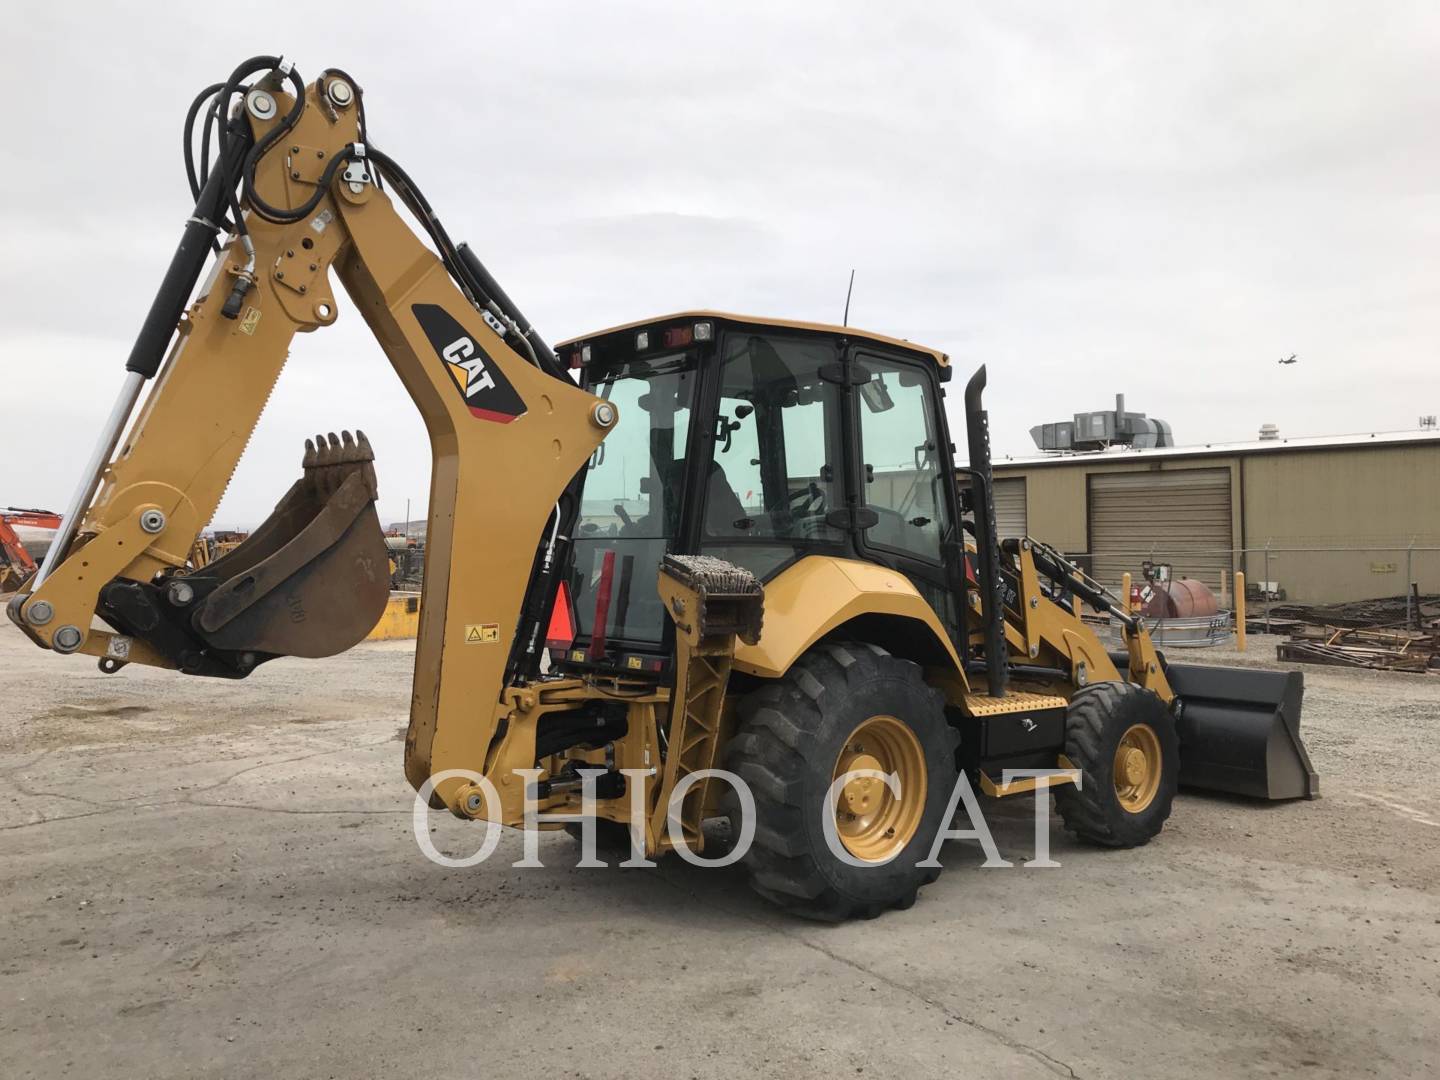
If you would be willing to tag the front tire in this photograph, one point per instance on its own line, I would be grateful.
(843, 708)
(1122, 739)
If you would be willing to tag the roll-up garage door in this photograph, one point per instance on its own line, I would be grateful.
(1010, 507)
(1180, 517)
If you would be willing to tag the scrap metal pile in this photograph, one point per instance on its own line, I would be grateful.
(1382, 612)
(1387, 650)
(1395, 633)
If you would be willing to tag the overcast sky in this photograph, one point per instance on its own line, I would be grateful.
(1160, 199)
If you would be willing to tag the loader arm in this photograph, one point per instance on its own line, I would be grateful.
(507, 431)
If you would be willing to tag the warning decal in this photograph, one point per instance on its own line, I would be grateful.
(486, 633)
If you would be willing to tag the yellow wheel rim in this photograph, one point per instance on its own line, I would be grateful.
(873, 824)
(1137, 768)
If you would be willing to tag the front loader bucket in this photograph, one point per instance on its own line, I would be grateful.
(314, 578)
(1240, 731)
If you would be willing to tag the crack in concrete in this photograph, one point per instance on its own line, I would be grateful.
(283, 761)
(37, 793)
(1054, 1064)
(63, 817)
(1015, 1044)
(16, 766)
(111, 806)
(285, 810)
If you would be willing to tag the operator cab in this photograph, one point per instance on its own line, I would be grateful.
(759, 442)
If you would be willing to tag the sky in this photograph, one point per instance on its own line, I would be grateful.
(1159, 199)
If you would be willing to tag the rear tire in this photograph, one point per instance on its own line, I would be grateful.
(1107, 725)
(795, 735)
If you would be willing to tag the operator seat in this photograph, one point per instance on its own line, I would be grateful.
(722, 506)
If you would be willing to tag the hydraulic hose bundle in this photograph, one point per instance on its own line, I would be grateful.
(221, 177)
(218, 206)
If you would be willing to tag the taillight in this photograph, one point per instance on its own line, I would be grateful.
(561, 634)
(680, 335)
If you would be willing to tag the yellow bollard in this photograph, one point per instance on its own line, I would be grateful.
(1125, 592)
(1240, 610)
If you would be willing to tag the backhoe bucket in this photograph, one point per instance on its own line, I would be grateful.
(314, 578)
(10, 578)
(1240, 731)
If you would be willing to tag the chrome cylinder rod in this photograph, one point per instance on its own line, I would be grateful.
(90, 479)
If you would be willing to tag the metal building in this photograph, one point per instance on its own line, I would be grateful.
(1324, 519)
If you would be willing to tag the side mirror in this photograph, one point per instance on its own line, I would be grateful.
(876, 396)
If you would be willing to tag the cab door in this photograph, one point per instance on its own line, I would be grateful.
(906, 478)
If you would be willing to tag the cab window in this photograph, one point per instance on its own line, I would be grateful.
(903, 464)
(776, 470)
(631, 507)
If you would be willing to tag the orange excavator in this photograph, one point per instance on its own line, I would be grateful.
(16, 561)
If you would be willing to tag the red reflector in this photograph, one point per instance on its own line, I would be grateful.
(681, 335)
(575, 360)
(561, 634)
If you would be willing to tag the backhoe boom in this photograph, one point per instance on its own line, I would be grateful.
(506, 437)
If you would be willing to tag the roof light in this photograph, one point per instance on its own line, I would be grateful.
(704, 331)
(580, 357)
(680, 335)
(642, 341)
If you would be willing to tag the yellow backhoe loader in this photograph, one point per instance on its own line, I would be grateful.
(693, 543)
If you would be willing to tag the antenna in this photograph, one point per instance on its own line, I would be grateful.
(851, 288)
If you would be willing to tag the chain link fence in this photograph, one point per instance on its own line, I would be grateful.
(1280, 577)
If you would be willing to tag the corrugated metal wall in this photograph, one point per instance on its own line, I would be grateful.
(1375, 502)
(1010, 507)
(1182, 515)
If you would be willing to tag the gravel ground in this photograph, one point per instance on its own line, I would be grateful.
(207, 878)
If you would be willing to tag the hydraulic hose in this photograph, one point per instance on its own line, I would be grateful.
(542, 355)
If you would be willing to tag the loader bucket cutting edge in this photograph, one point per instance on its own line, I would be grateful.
(1240, 732)
(313, 579)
